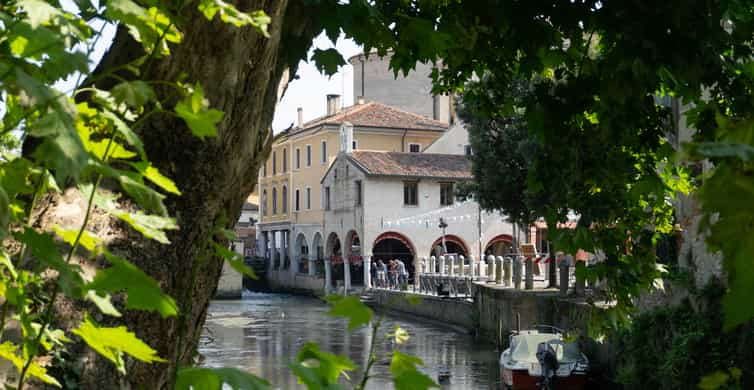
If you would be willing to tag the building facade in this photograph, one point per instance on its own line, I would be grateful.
(388, 205)
(290, 195)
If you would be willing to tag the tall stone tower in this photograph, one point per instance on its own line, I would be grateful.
(374, 81)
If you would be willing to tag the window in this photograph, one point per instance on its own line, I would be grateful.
(358, 192)
(308, 155)
(264, 169)
(467, 150)
(285, 160)
(298, 158)
(335, 173)
(324, 152)
(446, 194)
(296, 204)
(274, 200)
(264, 202)
(274, 163)
(410, 193)
(327, 198)
(285, 199)
(308, 198)
(414, 148)
(354, 144)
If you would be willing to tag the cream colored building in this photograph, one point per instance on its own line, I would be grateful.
(291, 199)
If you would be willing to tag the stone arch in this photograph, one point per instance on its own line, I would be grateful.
(301, 252)
(393, 245)
(317, 253)
(353, 254)
(499, 245)
(454, 243)
(334, 257)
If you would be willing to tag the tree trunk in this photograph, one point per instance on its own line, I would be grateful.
(241, 73)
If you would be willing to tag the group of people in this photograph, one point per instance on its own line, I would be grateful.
(389, 274)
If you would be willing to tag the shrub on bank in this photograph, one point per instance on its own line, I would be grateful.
(674, 347)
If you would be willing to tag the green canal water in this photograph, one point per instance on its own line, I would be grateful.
(262, 333)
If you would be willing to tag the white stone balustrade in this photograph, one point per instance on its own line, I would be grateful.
(499, 270)
(442, 265)
(490, 268)
(507, 270)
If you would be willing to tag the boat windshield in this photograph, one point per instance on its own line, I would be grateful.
(524, 347)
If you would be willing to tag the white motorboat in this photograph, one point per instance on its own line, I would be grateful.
(537, 360)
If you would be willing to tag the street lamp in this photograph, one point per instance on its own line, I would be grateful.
(442, 226)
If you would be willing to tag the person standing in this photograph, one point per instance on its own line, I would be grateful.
(402, 274)
(382, 274)
(393, 274)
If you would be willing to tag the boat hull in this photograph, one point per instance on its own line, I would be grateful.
(521, 380)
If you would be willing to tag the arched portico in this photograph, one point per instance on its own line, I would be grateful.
(334, 260)
(353, 255)
(499, 245)
(301, 254)
(317, 255)
(393, 245)
(455, 245)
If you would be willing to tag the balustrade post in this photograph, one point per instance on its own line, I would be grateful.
(529, 274)
(461, 266)
(432, 265)
(507, 264)
(490, 268)
(499, 270)
(451, 265)
(564, 275)
(579, 289)
(442, 265)
(517, 265)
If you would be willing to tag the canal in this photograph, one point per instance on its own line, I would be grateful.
(263, 333)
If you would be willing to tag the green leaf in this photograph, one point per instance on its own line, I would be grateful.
(143, 292)
(135, 93)
(61, 150)
(5, 262)
(405, 374)
(235, 260)
(350, 307)
(144, 195)
(126, 132)
(8, 352)
(201, 119)
(103, 303)
(151, 226)
(46, 252)
(716, 380)
(151, 27)
(39, 12)
(213, 379)
(112, 343)
(328, 61)
(230, 14)
(318, 369)
(399, 335)
(153, 174)
(87, 240)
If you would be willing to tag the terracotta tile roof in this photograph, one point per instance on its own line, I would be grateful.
(419, 165)
(374, 114)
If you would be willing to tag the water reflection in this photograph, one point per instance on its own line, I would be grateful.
(264, 332)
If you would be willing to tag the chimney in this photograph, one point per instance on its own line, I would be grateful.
(333, 104)
(300, 116)
(346, 137)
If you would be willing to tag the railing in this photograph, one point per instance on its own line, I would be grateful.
(456, 275)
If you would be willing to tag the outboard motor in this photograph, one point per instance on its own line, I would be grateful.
(548, 360)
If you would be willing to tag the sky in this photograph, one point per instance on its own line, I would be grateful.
(309, 91)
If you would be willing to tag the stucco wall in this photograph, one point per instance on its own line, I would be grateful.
(452, 142)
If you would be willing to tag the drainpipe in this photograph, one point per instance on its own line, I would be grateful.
(403, 141)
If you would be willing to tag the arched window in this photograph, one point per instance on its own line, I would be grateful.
(285, 199)
(264, 202)
(274, 200)
(297, 203)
